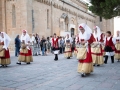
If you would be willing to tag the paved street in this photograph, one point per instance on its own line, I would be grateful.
(46, 74)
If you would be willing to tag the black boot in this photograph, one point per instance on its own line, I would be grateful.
(28, 63)
(68, 57)
(106, 58)
(112, 59)
(56, 57)
(18, 63)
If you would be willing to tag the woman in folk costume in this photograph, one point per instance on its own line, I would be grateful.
(85, 65)
(68, 47)
(55, 46)
(4, 51)
(117, 46)
(25, 52)
(109, 47)
(96, 49)
(68, 51)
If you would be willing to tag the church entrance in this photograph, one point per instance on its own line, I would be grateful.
(72, 32)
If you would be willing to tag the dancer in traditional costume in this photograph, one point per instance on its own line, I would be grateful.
(55, 46)
(68, 51)
(109, 47)
(25, 51)
(4, 51)
(96, 49)
(85, 65)
(68, 43)
(117, 46)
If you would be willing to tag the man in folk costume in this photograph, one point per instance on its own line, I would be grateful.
(68, 47)
(25, 52)
(109, 47)
(55, 46)
(4, 51)
(85, 65)
(117, 46)
(96, 49)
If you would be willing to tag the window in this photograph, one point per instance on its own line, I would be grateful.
(47, 18)
(66, 23)
(100, 19)
(33, 21)
(13, 16)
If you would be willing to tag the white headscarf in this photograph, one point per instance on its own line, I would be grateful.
(68, 39)
(6, 40)
(98, 34)
(118, 37)
(87, 34)
(26, 37)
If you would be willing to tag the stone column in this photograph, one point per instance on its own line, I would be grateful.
(3, 15)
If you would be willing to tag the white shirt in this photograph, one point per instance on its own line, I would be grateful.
(113, 40)
(68, 39)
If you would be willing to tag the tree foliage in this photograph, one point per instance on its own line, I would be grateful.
(105, 8)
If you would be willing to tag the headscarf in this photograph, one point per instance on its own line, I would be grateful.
(25, 37)
(118, 37)
(6, 40)
(68, 38)
(98, 34)
(87, 34)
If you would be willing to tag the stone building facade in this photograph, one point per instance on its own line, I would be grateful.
(46, 17)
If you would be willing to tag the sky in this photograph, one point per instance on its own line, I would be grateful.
(116, 22)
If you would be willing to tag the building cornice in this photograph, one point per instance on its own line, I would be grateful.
(58, 6)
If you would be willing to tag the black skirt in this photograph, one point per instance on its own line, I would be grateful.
(108, 49)
(55, 48)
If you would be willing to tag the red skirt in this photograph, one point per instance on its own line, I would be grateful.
(99, 54)
(88, 57)
(27, 54)
(117, 51)
(7, 54)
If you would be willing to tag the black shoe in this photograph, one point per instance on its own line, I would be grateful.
(18, 63)
(105, 62)
(82, 75)
(93, 64)
(68, 57)
(28, 63)
(6, 66)
(2, 66)
(55, 59)
(98, 65)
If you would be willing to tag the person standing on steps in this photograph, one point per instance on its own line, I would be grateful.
(109, 47)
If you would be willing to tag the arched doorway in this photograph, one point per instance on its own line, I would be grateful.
(72, 32)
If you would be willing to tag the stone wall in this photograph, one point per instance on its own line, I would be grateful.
(44, 17)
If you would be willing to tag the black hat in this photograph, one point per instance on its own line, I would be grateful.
(54, 33)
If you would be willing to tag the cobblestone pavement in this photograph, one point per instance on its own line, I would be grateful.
(46, 74)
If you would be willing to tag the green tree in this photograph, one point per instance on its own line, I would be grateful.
(105, 8)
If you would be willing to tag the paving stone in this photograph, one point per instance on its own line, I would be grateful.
(46, 74)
